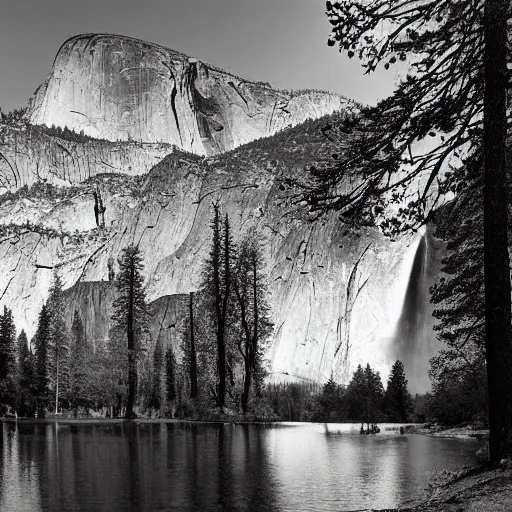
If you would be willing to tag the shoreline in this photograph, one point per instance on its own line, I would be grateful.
(467, 432)
(478, 489)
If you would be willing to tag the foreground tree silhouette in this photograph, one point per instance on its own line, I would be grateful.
(460, 303)
(193, 352)
(496, 257)
(189, 348)
(79, 366)
(171, 376)
(157, 398)
(131, 314)
(454, 95)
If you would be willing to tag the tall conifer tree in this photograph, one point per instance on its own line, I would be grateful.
(7, 357)
(24, 375)
(397, 397)
(252, 312)
(217, 281)
(58, 343)
(131, 314)
(41, 344)
(7, 344)
(79, 365)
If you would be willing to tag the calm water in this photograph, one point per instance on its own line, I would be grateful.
(180, 467)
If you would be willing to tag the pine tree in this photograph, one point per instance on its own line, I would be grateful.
(79, 367)
(131, 314)
(397, 397)
(189, 348)
(157, 398)
(7, 357)
(193, 352)
(171, 375)
(357, 395)
(24, 376)
(58, 343)
(330, 403)
(41, 344)
(22, 348)
(217, 282)
(116, 381)
(330, 387)
(459, 299)
(7, 344)
(365, 394)
(252, 311)
(374, 394)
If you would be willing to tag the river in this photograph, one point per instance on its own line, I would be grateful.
(144, 466)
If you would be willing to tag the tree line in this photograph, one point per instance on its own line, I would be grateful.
(217, 368)
(364, 399)
(218, 364)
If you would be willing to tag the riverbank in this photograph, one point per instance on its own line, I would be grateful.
(483, 489)
(475, 431)
(434, 430)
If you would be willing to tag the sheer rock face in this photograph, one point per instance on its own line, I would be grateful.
(339, 297)
(29, 156)
(119, 88)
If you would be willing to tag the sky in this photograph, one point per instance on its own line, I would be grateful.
(283, 42)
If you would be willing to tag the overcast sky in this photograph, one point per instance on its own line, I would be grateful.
(283, 42)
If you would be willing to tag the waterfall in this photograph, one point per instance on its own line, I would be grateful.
(412, 340)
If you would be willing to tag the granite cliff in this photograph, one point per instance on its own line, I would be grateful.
(339, 296)
(120, 88)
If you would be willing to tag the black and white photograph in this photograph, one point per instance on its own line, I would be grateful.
(255, 256)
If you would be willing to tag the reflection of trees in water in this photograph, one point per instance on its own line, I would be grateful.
(135, 467)
(135, 470)
(259, 471)
(226, 468)
(226, 481)
(189, 467)
(382, 470)
(246, 480)
(18, 472)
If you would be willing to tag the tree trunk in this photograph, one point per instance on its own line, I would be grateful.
(220, 392)
(247, 388)
(193, 357)
(57, 381)
(222, 368)
(255, 331)
(496, 257)
(101, 209)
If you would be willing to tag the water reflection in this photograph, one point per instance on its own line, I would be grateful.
(187, 467)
